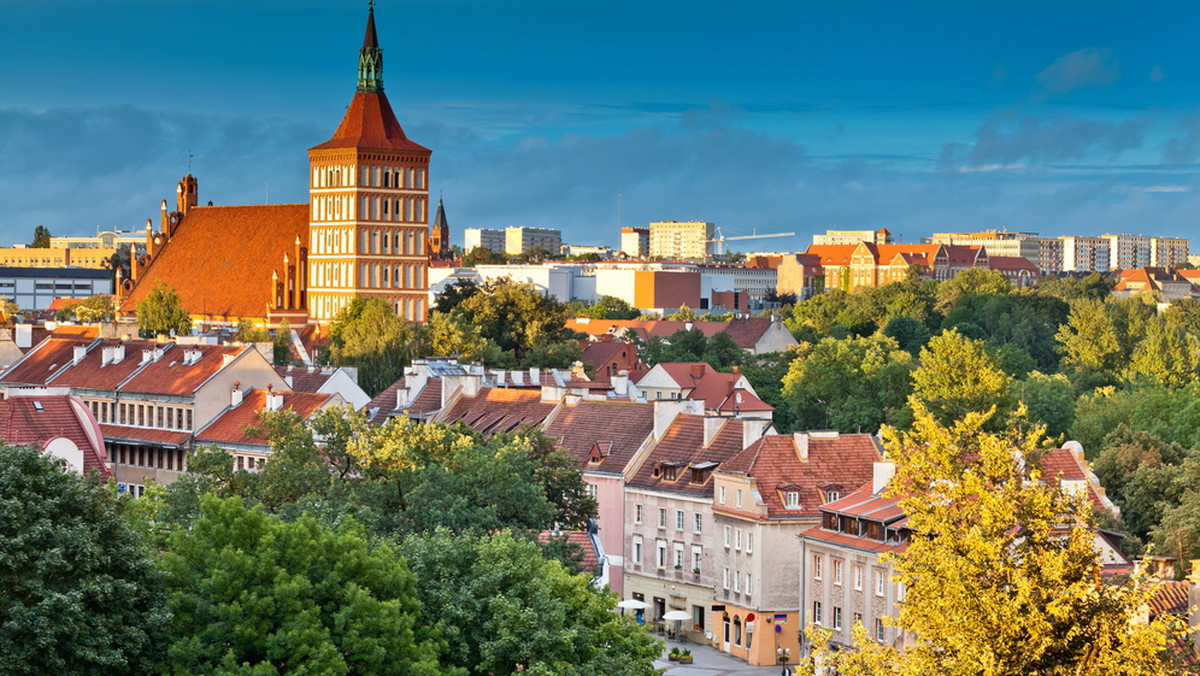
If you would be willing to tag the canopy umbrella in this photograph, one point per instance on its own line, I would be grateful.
(678, 616)
(633, 604)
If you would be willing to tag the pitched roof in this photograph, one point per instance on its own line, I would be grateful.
(93, 373)
(305, 378)
(384, 403)
(579, 538)
(44, 360)
(682, 446)
(220, 259)
(499, 409)
(748, 331)
(1012, 263)
(743, 400)
(580, 426)
(1067, 463)
(169, 375)
(370, 123)
(832, 254)
(846, 460)
(745, 332)
(36, 420)
(230, 426)
(145, 435)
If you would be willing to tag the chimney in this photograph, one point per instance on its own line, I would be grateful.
(665, 411)
(288, 379)
(620, 384)
(235, 396)
(801, 440)
(518, 377)
(535, 376)
(106, 354)
(80, 353)
(577, 372)
(147, 355)
(118, 354)
(24, 335)
(274, 399)
(882, 473)
(712, 425)
(697, 371)
(753, 430)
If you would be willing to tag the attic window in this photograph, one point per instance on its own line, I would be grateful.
(599, 452)
(791, 499)
(670, 470)
(830, 496)
(37, 405)
(831, 521)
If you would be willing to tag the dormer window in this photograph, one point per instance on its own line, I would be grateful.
(791, 499)
(830, 521)
(669, 472)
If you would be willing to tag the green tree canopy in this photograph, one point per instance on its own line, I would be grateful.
(252, 594)
(368, 333)
(514, 316)
(162, 311)
(81, 593)
(41, 238)
(958, 376)
(851, 385)
(503, 608)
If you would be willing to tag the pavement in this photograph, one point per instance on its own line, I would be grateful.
(708, 661)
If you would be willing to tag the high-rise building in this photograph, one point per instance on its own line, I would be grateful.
(635, 242)
(674, 240)
(1084, 254)
(1168, 252)
(1127, 251)
(492, 240)
(880, 236)
(520, 239)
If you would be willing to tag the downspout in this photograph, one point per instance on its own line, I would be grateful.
(803, 640)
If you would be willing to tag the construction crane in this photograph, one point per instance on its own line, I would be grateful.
(720, 239)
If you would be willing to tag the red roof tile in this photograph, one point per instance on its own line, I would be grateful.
(169, 375)
(93, 374)
(579, 538)
(145, 435)
(44, 360)
(384, 404)
(623, 425)
(832, 254)
(230, 426)
(370, 123)
(846, 461)
(36, 420)
(682, 445)
(497, 409)
(220, 259)
(305, 378)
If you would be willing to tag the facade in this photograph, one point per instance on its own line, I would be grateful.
(107, 239)
(492, 240)
(521, 239)
(764, 498)
(1127, 251)
(228, 431)
(363, 231)
(36, 288)
(853, 237)
(674, 240)
(800, 274)
(1168, 252)
(1045, 252)
(635, 242)
(1085, 254)
(720, 394)
(54, 257)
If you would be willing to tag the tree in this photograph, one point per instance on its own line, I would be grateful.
(454, 294)
(41, 238)
(502, 608)
(1168, 356)
(90, 310)
(683, 314)
(958, 376)
(368, 333)
(249, 332)
(515, 316)
(851, 385)
(162, 311)
(972, 282)
(252, 594)
(1049, 400)
(281, 344)
(611, 307)
(81, 593)
(1000, 575)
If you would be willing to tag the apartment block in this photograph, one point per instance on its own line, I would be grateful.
(520, 239)
(880, 236)
(1127, 251)
(492, 240)
(674, 240)
(1168, 252)
(1084, 254)
(635, 242)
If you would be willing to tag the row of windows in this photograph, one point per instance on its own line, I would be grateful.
(743, 583)
(818, 617)
(400, 209)
(331, 208)
(667, 556)
(737, 539)
(142, 415)
(858, 571)
(389, 240)
(152, 457)
(343, 176)
(382, 276)
(679, 521)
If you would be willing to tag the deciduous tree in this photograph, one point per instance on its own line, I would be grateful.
(162, 311)
(958, 376)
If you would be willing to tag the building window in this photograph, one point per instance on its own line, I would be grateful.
(637, 513)
(879, 630)
(727, 529)
(662, 554)
(792, 499)
(637, 549)
(830, 496)
(837, 618)
(725, 578)
(737, 582)
(697, 522)
(858, 577)
(678, 556)
(817, 561)
(697, 557)
(817, 618)
(739, 497)
(721, 495)
(679, 519)
(749, 543)
(879, 582)
(662, 517)
(748, 590)
(837, 572)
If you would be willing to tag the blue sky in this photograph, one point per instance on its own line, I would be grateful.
(1060, 118)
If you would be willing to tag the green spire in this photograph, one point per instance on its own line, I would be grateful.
(370, 58)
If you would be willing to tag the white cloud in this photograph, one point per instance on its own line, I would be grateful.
(1081, 69)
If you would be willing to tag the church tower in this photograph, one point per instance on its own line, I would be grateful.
(368, 200)
(439, 234)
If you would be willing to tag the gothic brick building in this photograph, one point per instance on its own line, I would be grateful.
(363, 232)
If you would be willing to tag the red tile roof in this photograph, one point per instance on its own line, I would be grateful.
(847, 540)
(832, 254)
(428, 401)
(230, 426)
(145, 435)
(169, 375)
(1063, 463)
(745, 332)
(384, 403)
(220, 259)
(90, 373)
(683, 446)
(624, 426)
(576, 537)
(497, 409)
(37, 420)
(1170, 597)
(305, 378)
(711, 386)
(44, 360)
(370, 123)
(846, 461)
(741, 400)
